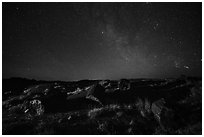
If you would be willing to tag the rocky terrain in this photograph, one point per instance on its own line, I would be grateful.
(126, 106)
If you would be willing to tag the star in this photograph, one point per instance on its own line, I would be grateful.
(186, 67)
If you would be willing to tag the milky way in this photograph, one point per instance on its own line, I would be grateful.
(72, 41)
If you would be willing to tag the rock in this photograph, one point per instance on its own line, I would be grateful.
(163, 115)
(75, 94)
(95, 93)
(147, 106)
(94, 99)
(157, 107)
(124, 84)
(105, 83)
(34, 107)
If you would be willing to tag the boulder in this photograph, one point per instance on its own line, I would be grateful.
(163, 115)
(40, 98)
(157, 107)
(95, 93)
(34, 107)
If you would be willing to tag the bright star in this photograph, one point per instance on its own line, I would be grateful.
(187, 67)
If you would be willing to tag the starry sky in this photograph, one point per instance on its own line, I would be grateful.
(74, 41)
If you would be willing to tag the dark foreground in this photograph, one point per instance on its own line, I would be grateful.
(141, 106)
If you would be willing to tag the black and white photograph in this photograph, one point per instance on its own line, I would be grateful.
(101, 68)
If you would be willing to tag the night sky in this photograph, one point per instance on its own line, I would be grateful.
(73, 41)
